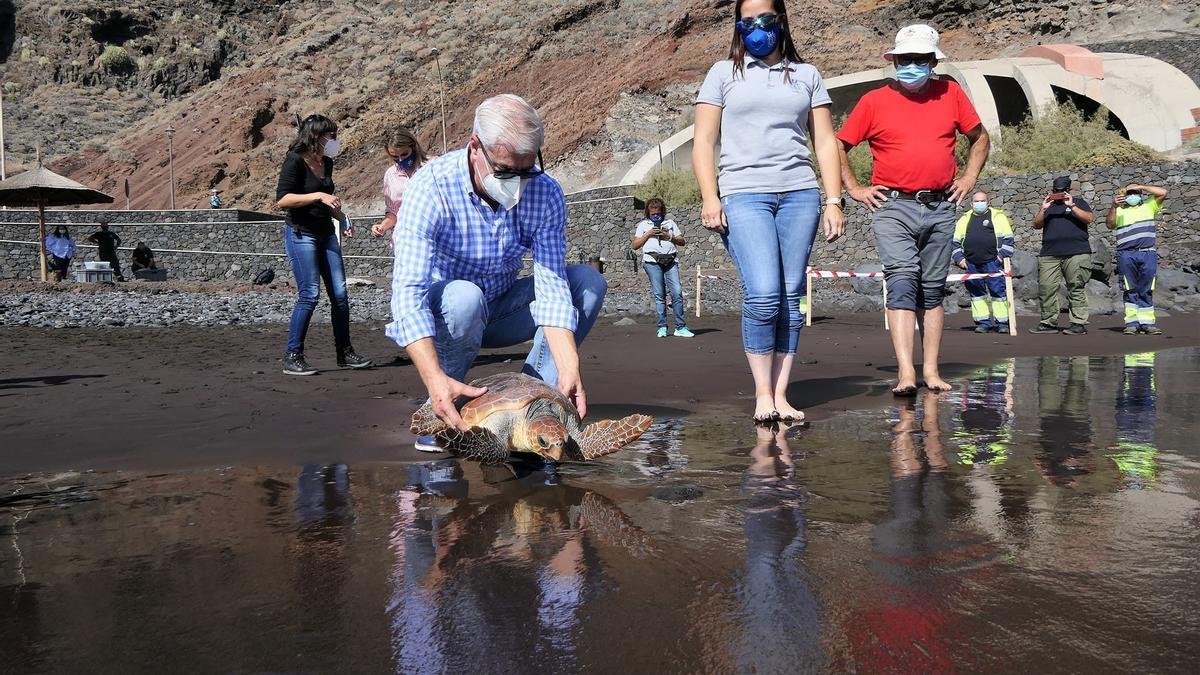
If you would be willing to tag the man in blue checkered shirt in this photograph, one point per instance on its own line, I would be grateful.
(467, 220)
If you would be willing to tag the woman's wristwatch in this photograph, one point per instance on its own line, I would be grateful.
(839, 202)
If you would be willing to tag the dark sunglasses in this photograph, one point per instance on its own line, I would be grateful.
(912, 59)
(505, 173)
(765, 22)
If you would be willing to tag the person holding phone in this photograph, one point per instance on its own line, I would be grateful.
(306, 192)
(1066, 257)
(659, 238)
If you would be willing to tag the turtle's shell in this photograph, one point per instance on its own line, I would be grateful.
(511, 393)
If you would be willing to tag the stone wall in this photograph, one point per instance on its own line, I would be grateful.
(225, 244)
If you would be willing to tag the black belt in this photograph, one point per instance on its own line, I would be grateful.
(922, 196)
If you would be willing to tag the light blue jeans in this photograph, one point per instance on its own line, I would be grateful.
(660, 282)
(770, 238)
(315, 259)
(465, 321)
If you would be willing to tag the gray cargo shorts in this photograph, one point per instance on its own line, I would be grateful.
(914, 241)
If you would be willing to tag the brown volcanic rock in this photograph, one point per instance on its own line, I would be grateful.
(234, 73)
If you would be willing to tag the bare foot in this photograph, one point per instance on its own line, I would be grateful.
(787, 413)
(906, 385)
(934, 382)
(764, 409)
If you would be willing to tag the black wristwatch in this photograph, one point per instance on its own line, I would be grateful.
(838, 202)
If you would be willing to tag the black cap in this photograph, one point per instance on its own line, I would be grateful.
(1062, 183)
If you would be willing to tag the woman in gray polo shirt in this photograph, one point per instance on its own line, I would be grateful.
(764, 103)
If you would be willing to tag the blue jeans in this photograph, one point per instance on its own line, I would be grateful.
(465, 321)
(660, 280)
(770, 238)
(315, 259)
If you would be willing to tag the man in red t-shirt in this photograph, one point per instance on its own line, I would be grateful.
(912, 125)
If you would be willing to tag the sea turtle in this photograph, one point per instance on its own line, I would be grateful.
(520, 413)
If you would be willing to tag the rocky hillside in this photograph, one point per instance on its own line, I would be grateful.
(98, 83)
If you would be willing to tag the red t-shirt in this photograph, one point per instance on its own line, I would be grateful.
(912, 138)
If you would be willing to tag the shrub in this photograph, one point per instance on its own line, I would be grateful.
(43, 60)
(1064, 138)
(677, 187)
(222, 33)
(1119, 152)
(27, 54)
(114, 57)
(160, 63)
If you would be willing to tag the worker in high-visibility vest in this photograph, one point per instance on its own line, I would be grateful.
(1136, 454)
(1133, 215)
(985, 432)
(983, 238)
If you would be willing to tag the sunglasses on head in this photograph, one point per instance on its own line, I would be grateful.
(763, 21)
(505, 172)
(912, 59)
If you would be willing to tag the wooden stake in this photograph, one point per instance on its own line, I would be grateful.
(1012, 299)
(42, 238)
(886, 325)
(697, 291)
(808, 284)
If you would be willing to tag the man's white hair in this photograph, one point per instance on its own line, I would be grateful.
(508, 120)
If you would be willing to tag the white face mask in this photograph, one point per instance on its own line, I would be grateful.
(506, 192)
(331, 148)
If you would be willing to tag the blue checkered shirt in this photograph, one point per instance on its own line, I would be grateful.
(446, 232)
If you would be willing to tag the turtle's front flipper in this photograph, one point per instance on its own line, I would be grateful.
(424, 422)
(478, 444)
(608, 436)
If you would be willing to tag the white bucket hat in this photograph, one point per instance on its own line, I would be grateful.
(917, 39)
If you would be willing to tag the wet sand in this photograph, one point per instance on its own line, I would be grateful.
(153, 398)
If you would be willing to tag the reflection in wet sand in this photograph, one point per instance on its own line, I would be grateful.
(1041, 517)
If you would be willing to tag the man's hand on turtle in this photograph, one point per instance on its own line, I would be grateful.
(445, 393)
(572, 387)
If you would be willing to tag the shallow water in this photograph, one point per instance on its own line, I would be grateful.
(1040, 518)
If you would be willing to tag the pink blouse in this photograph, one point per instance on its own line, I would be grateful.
(395, 180)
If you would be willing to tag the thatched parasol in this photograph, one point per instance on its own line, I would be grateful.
(41, 187)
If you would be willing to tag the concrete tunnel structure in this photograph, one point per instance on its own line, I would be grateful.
(1149, 101)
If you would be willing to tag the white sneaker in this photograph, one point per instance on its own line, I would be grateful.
(427, 444)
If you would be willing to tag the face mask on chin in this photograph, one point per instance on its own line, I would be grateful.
(406, 163)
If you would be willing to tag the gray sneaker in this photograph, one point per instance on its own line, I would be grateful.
(1042, 328)
(427, 444)
(294, 364)
(1075, 329)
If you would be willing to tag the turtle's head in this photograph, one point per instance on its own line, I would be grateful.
(547, 436)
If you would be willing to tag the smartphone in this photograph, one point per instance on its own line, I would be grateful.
(1057, 197)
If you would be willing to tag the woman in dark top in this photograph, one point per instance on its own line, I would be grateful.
(306, 191)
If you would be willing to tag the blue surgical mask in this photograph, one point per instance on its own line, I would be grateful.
(979, 207)
(656, 218)
(1133, 200)
(407, 162)
(759, 41)
(913, 76)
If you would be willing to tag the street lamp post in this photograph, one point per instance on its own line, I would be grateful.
(441, 94)
(171, 161)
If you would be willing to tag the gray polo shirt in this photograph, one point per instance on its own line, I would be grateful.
(764, 124)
